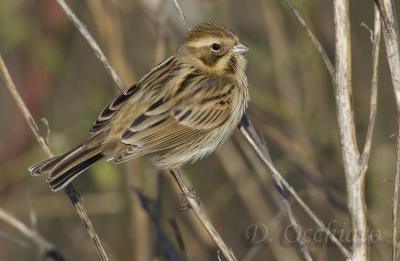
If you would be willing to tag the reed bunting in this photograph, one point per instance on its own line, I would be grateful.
(179, 112)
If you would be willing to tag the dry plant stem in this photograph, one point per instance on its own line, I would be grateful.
(259, 147)
(182, 15)
(70, 191)
(376, 37)
(355, 165)
(249, 192)
(21, 105)
(201, 215)
(391, 36)
(45, 247)
(317, 44)
(80, 209)
(279, 198)
(355, 178)
(93, 44)
(293, 223)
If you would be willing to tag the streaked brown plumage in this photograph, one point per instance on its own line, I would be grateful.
(179, 112)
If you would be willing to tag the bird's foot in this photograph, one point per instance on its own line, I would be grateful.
(184, 202)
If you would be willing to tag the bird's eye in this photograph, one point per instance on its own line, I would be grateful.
(215, 47)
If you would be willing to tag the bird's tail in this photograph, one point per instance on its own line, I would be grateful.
(64, 168)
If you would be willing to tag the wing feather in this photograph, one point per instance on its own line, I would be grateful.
(110, 110)
(180, 121)
(208, 106)
(155, 78)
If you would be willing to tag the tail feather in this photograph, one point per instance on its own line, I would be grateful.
(66, 177)
(45, 166)
(63, 169)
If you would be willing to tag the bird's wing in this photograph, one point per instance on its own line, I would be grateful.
(149, 80)
(110, 110)
(180, 120)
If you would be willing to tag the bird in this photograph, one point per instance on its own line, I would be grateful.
(179, 112)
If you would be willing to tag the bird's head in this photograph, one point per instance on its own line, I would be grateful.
(213, 48)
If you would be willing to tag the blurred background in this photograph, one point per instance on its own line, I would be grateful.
(136, 210)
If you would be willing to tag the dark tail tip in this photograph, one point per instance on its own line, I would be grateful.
(63, 179)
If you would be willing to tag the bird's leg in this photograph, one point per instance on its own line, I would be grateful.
(188, 192)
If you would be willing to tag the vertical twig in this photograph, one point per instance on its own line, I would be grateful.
(376, 38)
(391, 36)
(355, 165)
(201, 215)
(347, 135)
(70, 191)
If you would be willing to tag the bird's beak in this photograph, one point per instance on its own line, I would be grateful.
(240, 48)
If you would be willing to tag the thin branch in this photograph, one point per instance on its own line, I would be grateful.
(182, 15)
(355, 165)
(297, 230)
(317, 44)
(249, 191)
(93, 44)
(21, 105)
(343, 84)
(260, 148)
(376, 38)
(355, 181)
(201, 215)
(80, 209)
(70, 191)
(47, 249)
(391, 36)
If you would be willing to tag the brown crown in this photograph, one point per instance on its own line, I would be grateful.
(209, 29)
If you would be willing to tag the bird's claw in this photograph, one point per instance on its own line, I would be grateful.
(184, 202)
